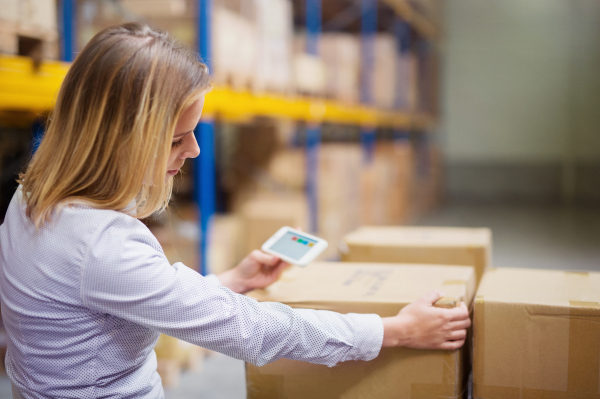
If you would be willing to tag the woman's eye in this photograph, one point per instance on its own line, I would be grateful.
(177, 143)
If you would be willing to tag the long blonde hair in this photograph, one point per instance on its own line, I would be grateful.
(109, 137)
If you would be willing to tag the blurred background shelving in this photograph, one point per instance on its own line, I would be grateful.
(296, 83)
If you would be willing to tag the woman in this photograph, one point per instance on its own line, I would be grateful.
(84, 285)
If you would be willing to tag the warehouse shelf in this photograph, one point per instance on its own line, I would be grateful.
(25, 88)
(241, 105)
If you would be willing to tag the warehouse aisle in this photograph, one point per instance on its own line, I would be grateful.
(534, 237)
(552, 238)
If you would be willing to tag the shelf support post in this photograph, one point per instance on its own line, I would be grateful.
(313, 129)
(204, 166)
(68, 26)
(403, 37)
(367, 51)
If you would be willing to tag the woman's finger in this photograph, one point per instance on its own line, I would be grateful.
(264, 258)
(457, 335)
(460, 324)
(452, 345)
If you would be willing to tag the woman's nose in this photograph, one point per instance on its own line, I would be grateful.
(192, 150)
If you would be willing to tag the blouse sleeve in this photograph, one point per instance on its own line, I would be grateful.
(125, 274)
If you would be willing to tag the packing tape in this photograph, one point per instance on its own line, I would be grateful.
(583, 376)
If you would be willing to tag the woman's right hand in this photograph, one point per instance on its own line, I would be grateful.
(421, 325)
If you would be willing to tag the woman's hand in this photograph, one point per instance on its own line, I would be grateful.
(421, 325)
(257, 270)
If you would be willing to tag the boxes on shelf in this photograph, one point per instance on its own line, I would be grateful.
(253, 44)
(386, 184)
(29, 28)
(224, 246)
(366, 288)
(338, 193)
(406, 82)
(385, 71)
(310, 75)
(274, 28)
(536, 334)
(262, 215)
(235, 48)
(423, 245)
(341, 54)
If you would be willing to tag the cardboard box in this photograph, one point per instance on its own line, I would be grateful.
(385, 71)
(537, 335)
(429, 245)
(366, 288)
(386, 182)
(338, 194)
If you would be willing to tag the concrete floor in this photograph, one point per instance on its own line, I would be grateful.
(551, 238)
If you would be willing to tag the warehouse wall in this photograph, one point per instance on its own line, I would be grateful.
(522, 100)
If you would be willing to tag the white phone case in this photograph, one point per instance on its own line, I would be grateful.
(294, 246)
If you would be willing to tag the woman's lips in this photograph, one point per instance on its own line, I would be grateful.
(172, 172)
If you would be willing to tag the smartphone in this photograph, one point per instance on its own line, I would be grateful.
(294, 246)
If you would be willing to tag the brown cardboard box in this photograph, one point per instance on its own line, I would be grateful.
(386, 185)
(338, 193)
(366, 288)
(429, 245)
(537, 335)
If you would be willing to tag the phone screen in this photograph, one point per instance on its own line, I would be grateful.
(293, 245)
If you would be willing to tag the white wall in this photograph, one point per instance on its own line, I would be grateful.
(521, 81)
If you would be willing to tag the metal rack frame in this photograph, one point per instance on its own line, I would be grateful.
(22, 89)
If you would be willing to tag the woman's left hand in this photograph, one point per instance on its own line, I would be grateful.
(257, 270)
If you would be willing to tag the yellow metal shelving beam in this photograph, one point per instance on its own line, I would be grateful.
(25, 88)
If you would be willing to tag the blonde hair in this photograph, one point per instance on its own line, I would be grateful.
(109, 137)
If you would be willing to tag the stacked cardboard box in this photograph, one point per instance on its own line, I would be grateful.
(537, 335)
(386, 182)
(341, 54)
(224, 246)
(385, 71)
(252, 39)
(310, 71)
(253, 44)
(29, 27)
(426, 245)
(274, 28)
(366, 288)
(235, 48)
(406, 87)
(338, 193)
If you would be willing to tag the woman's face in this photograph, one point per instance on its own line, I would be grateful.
(184, 142)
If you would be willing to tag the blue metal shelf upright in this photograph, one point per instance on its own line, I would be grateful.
(367, 51)
(204, 167)
(313, 129)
